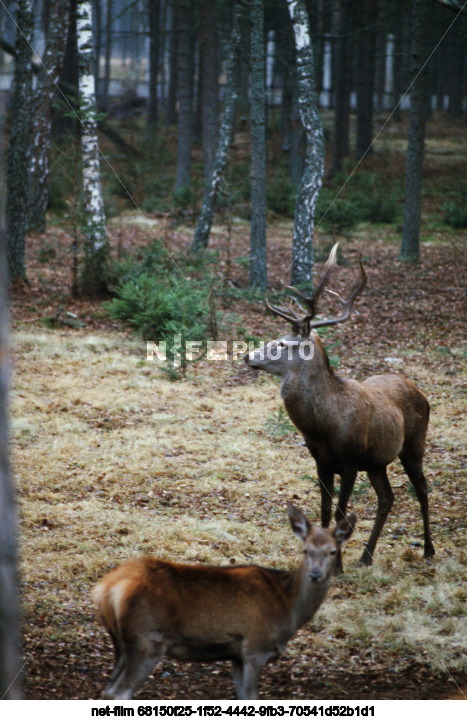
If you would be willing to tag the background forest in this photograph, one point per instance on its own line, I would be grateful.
(167, 166)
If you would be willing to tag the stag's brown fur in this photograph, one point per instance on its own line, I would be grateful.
(349, 426)
(247, 614)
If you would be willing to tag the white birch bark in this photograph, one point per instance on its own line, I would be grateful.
(302, 250)
(96, 232)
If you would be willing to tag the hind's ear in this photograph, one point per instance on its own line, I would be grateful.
(345, 528)
(300, 525)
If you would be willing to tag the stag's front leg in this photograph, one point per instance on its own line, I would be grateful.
(326, 482)
(379, 481)
(347, 484)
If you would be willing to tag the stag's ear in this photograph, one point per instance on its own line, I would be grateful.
(300, 525)
(345, 528)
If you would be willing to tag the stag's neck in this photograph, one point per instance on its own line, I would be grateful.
(309, 391)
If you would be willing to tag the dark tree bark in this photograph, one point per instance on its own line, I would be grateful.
(208, 48)
(365, 76)
(10, 659)
(410, 246)
(456, 57)
(64, 122)
(302, 249)
(104, 99)
(297, 140)
(258, 267)
(184, 11)
(340, 142)
(19, 149)
(43, 103)
(398, 60)
(97, 14)
(203, 227)
(171, 106)
(154, 13)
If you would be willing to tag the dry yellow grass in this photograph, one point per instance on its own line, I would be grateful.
(114, 460)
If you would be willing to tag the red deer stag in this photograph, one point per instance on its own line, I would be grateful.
(347, 426)
(245, 614)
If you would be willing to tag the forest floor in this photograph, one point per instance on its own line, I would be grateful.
(113, 460)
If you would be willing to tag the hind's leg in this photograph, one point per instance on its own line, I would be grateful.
(137, 659)
(413, 467)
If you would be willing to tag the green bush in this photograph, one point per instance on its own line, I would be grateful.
(455, 212)
(161, 303)
(280, 195)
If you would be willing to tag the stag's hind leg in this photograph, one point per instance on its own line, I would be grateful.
(413, 467)
(379, 481)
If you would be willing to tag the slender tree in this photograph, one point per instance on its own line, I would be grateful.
(19, 149)
(258, 268)
(365, 76)
(154, 13)
(104, 100)
(96, 247)
(203, 226)
(10, 660)
(302, 248)
(44, 96)
(410, 245)
(184, 15)
(209, 81)
(342, 88)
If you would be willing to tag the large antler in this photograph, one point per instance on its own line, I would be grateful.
(303, 324)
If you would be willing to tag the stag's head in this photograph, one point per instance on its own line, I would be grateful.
(282, 355)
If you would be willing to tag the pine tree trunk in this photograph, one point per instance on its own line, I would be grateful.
(302, 250)
(410, 246)
(203, 226)
(184, 93)
(258, 268)
(43, 102)
(19, 149)
(10, 659)
(93, 279)
(366, 54)
(341, 115)
(209, 82)
(154, 12)
(108, 55)
(64, 121)
(171, 106)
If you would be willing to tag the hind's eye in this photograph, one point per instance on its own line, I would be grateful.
(333, 552)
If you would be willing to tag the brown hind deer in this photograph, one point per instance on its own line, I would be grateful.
(347, 426)
(246, 614)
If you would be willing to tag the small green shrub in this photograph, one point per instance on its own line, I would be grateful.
(162, 303)
(455, 214)
(280, 195)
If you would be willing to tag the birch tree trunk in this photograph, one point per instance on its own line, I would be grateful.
(410, 245)
(258, 267)
(43, 101)
(203, 226)
(96, 248)
(10, 660)
(302, 248)
(19, 149)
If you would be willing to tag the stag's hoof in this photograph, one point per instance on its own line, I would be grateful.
(366, 559)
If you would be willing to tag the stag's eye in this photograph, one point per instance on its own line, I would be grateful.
(333, 552)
